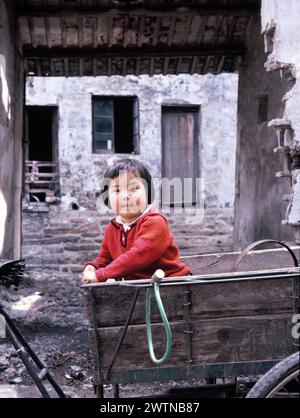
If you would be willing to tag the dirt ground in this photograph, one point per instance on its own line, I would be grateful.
(72, 369)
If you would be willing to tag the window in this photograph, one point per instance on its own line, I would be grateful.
(115, 125)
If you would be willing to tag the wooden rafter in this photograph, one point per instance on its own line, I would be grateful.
(166, 65)
(187, 29)
(80, 31)
(178, 65)
(224, 49)
(218, 28)
(201, 29)
(141, 31)
(47, 32)
(172, 29)
(31, 31)
(220, 64)
(81, 67)
(193, 65)
(156, 31)
(242, 9)
(125, 31)
(137, 66)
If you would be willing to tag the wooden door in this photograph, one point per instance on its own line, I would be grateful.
(180, 151)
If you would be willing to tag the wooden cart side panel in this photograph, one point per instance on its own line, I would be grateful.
(222, 340)
(277, 257)
(261, 297)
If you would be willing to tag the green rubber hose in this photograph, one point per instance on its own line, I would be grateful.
(163, 315)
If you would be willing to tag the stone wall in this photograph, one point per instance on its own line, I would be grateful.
(280, 25)
(259, 204)
(80, 169)
(11, 105)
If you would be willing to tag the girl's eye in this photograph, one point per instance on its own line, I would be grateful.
(134, 188)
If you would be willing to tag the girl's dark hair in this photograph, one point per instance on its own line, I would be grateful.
(133, 166)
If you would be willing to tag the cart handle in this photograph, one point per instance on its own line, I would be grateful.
(156, 278)
(263, 241)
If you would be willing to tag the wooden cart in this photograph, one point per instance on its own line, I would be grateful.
(224, 324)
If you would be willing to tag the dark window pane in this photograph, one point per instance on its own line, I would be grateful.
(101, 145)
(103, 125)
(103, 107)
(103, 141)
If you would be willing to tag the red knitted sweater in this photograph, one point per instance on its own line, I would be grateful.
(137, 253)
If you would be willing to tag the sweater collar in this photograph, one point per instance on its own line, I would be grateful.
(127, 226)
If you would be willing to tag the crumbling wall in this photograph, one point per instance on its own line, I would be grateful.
(81, 170)
(259, 194)
(11, 102)
(280, 25)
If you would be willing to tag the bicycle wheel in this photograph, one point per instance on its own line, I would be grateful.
(282, 381)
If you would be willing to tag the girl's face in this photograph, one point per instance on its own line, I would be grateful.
(128, 195)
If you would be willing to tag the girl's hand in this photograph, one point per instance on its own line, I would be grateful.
(89, 267)
(89, 276)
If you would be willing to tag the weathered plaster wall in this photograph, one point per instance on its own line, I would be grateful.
(11, 93)
(259, 205)
(80, 169)
(282, 16)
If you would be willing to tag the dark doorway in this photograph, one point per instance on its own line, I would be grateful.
(42, 133)
(180, 152)
(41, 153)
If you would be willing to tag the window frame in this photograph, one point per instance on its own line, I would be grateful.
(135, 124)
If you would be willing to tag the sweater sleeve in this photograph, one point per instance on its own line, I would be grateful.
(104, 257)
(152, 241)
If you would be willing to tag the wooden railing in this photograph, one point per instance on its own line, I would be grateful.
(41, 180)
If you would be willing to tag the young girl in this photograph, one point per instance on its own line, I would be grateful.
(138, 241)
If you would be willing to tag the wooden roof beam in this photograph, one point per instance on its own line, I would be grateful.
(157, 51)
(242, 9)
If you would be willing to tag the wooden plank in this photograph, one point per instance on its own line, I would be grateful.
(166, 66)
(193, 65)
(38, 67)
(148, 51)
(218, 28)
(187, 29)
(208, 301)
(81, 67)
(224, 340)
(156, 31)
(137, 67)
(263, 259)
(245, 338)
(134, 350)
(29, 174)
(244, 298)
(202, 26)
(95, 32)
(220, 65)
(80, 31)
(34, 191)
(32, 32)
(140, 32)
(40, 164)
(41, 182)
(178, 65)
(64, 38)
(94, 61)
(205, 10)
(125, 31)
(48, 32)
